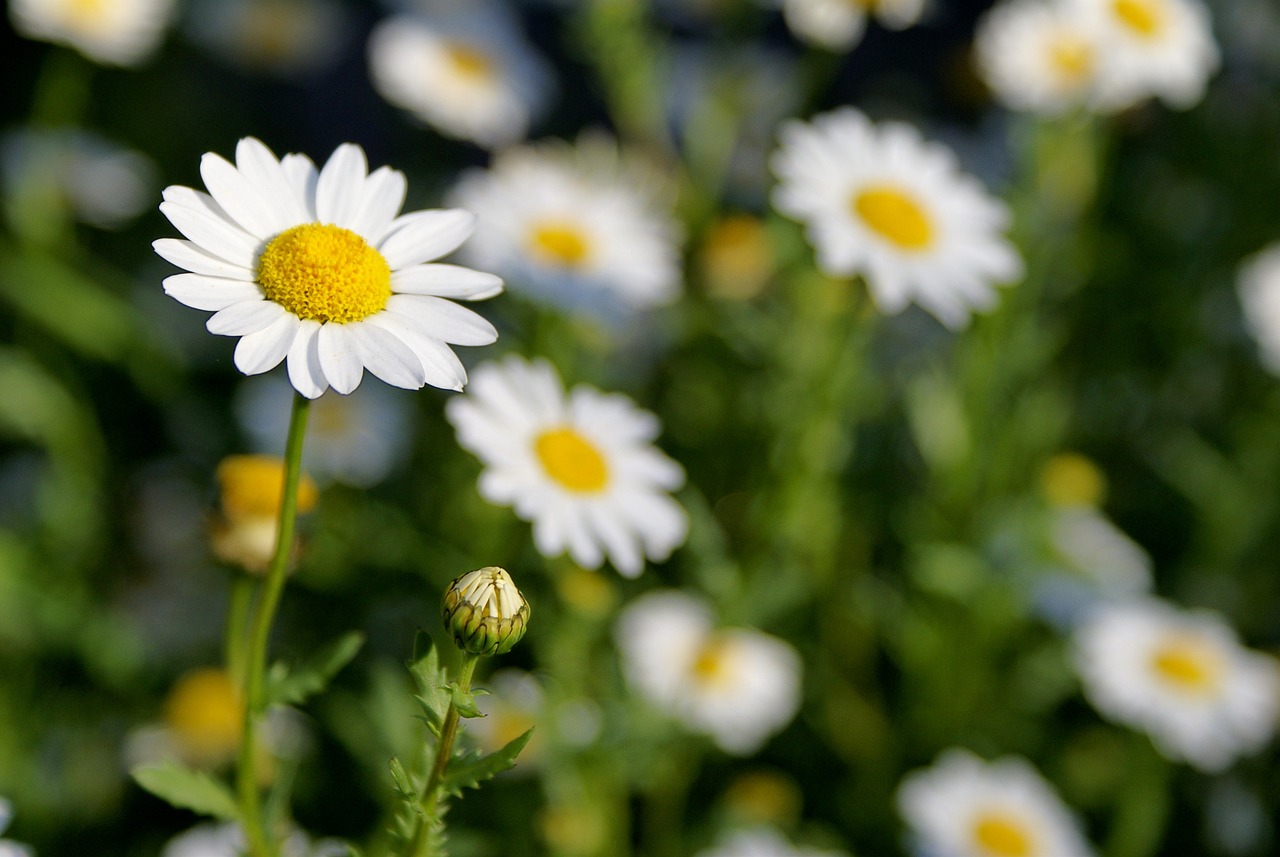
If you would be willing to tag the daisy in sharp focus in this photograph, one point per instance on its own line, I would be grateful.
(879, 201)
(115, 32)
(1182, 677)
(581, 465)
(316, 268)
(738, 685)
(1039, 55)
(963, 806)
(838, 25)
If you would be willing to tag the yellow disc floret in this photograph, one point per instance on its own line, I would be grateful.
(572, 460)
(469, 62)
(894, 215)
(253, 485)
(1187, 663)
(561, 244)
(1001, 835)
(323, 272)
(1143, 17)
(205, 714)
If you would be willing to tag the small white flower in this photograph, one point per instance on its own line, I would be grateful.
(761, 842)
(838, 25)
(879, 201)
(1093, 562)
(285, 37)
(574, 226)
(513, 705)
(737, 685)
(467, 72)
(1182, 677)
(9, 848)
(965, 807)
(1039, 55)
(114, 32)
(1258, 285)
(581, 466)
(315, 266)
(227, 840)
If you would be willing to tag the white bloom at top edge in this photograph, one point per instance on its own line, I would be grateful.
(1182, 677)
(581, 465)
(1258, 285)
(838, 25)
(761, 842)
(879, 201)
(314, 266)
(737, 685)
(115, 32)
(962, 806)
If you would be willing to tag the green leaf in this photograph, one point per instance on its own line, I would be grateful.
(470, 773)
(465, 702)
(187, 789)
(403, 782)
(285, 687)
(433, 688)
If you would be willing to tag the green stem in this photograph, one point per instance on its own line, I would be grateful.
(255, 665)
(419, 847)
(242, 590)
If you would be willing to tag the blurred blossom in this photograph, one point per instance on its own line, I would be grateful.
(1039, 55)
(251, 488)
(284, 37)
(1092, 562)
(227, 840)
(737, 685)
(576, 226)
(581, 465)
(1071, 479)
(114, 32)
(319, 267)
(1182, 677)
(55, 173)
(736, 257)
(963, 806)
(881, 202)
(463, 68)
(763, 797)
(357, 439)
(513, 706)
(838, 25)
(201, 726)
(1258, 285)
(760, 842)
(9, 848)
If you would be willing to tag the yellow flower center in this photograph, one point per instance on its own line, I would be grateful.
(204, 712)
(86, 13)
(562, 244)
(1142, 16)
(894, 215)
(1071, 57)
(324, 273)
(1188, 664)
(469, 62)
(1001, 835)
(253, 485)
(1071, 479)
(572, 460)
(714, 665)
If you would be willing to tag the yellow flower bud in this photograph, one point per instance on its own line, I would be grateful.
(485, 612)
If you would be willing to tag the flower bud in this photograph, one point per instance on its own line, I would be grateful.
(485, 612)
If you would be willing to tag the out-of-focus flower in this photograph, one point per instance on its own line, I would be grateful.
(580, 466)
(737, 685)
(879, 201)
(251, 488)
(204, 714)
(838, 25)
(736, 257)
(965, 807)
(114, 32)
(1092, 562)
(1039, 55)
(357, 439)
(1258, 286)
(761, 842)
(315, 266)
(284, 37)
(575, 226)
(227, 840)
(1070, 479)
(514, 705)
(485, 612)
(9, 848)
(1182, 677)
(763, 797)
(464, 69)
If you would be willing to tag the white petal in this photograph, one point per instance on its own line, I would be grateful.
(209, 293)
(384, 192)
(441, 367)
(259, 166)
(340, 190)
(186, 255)
(339, 357)
(214, 234)
(305, 372)
(622, 545)
(421, 236)
(245, 318)
(386, 356)
(262, 351)
(582, 547)
(242, 202)
(302, 177)
(446, 281)
(443, 320)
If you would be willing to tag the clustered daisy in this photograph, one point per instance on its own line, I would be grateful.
(838, 25)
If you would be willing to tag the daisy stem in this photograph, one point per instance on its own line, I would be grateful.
(255, 652)
(421, 844)
(242, 589)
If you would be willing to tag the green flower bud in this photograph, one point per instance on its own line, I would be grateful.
(485, 612)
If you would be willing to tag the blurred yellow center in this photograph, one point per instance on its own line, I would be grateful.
(253, 485)
(560, 243)
(714, 664)
(894, 215)
(572, 460)
(468, 61)
(1141, 16)
(1188, 664)
(1071, 57)
(86, 12)
(1001, 835)
(324, 273)
(1071, 479)
(204, 712)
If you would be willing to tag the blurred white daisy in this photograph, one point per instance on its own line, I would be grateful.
(284, 37)
(466, 70)
(1092, 562)
(114, 32)
(1162, 48)
(1258, 285)
(879, 201)
(575, 226)
(1182, 677)
(227, 840)
(581, 466)
(760, 842)
(513, 705)
(1038, 55)
(9, 848)
(316, 267)
(737, 685)
(963, 806)
(838, 25)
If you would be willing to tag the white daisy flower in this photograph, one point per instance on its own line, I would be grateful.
(1093, 562)
(1161, 48)
(114, 32)
(581, 466)
(227, 840)
(574, 226)
(879, 201)
(1182, 677)
(737, 685)
(1258, 286)
(965, 807)
(838, 25)
(514, 704)
(285, 37)
(9, 848)
(1038, 55)
(469, 74)
(761, 842)
(316, 267)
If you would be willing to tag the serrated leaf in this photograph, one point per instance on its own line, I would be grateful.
(187, 789)
(470, 773)
(433, 688)
(465, 702)
(294, 687)
(403, 782)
